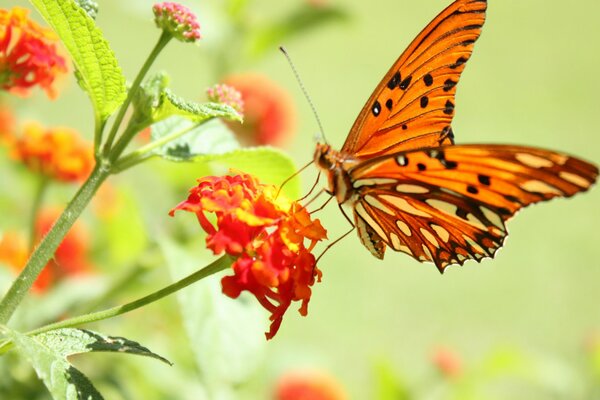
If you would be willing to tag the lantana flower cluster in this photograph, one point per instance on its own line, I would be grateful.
(270, 237)
(226, 94)
(28, 54)
(178, 20)
(58, 153)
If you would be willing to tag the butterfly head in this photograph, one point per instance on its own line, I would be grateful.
(322, 156)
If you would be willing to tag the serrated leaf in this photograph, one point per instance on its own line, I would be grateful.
(60, 377)
(98, 71)
(212, 137)
(170, 104)
(69, 341)
(226, 335)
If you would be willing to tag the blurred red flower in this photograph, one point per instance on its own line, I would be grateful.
(70, 258)
(58, 153)
(267, 236)
(447, 362)
(269, 113)
(28, 54)
(7, 125)
(309, 385)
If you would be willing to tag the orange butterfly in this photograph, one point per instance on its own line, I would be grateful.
(409, 186)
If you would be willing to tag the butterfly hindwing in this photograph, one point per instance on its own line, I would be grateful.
(412, 107)
(450, 204)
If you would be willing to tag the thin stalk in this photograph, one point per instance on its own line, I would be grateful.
(45, 250)
(38, 198)
(139, 155)
(164, 38)
(218, 265)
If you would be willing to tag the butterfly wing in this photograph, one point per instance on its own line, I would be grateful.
(450, 204)
(413, 105)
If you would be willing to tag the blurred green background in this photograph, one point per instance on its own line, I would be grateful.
(533, 80)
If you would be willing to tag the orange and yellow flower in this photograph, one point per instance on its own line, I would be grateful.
(271, 238)
(58, 153)
(70, 258)
(269, 113)
(28, 54)
(7, 125)
(447, 362)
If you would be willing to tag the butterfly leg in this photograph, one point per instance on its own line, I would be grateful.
(322, 207)
(330, 245)
(292, 177)
(312, 188)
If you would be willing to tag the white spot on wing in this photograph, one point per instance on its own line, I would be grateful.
(407, 188)
(379, 205)
(492, 217)
(575, 179)
(372, 182)
(403, 227)
(441, 232)
(396, 244)
(429, 236)
(540, 187)
(360, 210)
(443, 206)
(404, 205)
(533, 161)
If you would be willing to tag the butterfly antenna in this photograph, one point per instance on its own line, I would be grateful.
(312, 106)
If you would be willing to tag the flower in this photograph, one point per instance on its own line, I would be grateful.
(269, 113)
(178, 20)
(58, 153)
(309, 385)
(266, 234)
(28, 54)
(7, 125)
(447, 362)
(70, 258)
(226, 94)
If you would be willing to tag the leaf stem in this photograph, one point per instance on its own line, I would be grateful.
(218, 265)
(163, 40)
(40, 256)
(139, 155)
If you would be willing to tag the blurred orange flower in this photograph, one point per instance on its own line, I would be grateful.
(267, 236)
(269, 113)
(447, 362)
(309, 385)
(28, 54)
(58, 153)
(70, 259)
(7, 124)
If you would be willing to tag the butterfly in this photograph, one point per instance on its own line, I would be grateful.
(409, 186)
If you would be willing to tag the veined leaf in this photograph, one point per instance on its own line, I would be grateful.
(60, 377)
(170, 104)
(98, 71)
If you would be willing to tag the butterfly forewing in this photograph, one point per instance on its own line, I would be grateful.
(412, 107)
(450, 204)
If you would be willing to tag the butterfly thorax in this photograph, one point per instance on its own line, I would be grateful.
(335, 165)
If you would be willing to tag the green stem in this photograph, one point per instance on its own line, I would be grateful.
(137, 156)
(35, 208)
(164, 38)
(40, 256)
(216, 266)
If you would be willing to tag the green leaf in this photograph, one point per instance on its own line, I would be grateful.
(98, 71)
(226, 335)
(212, 137)
(69, 341)
(302, 19)
(60, 377)
(169, 104)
